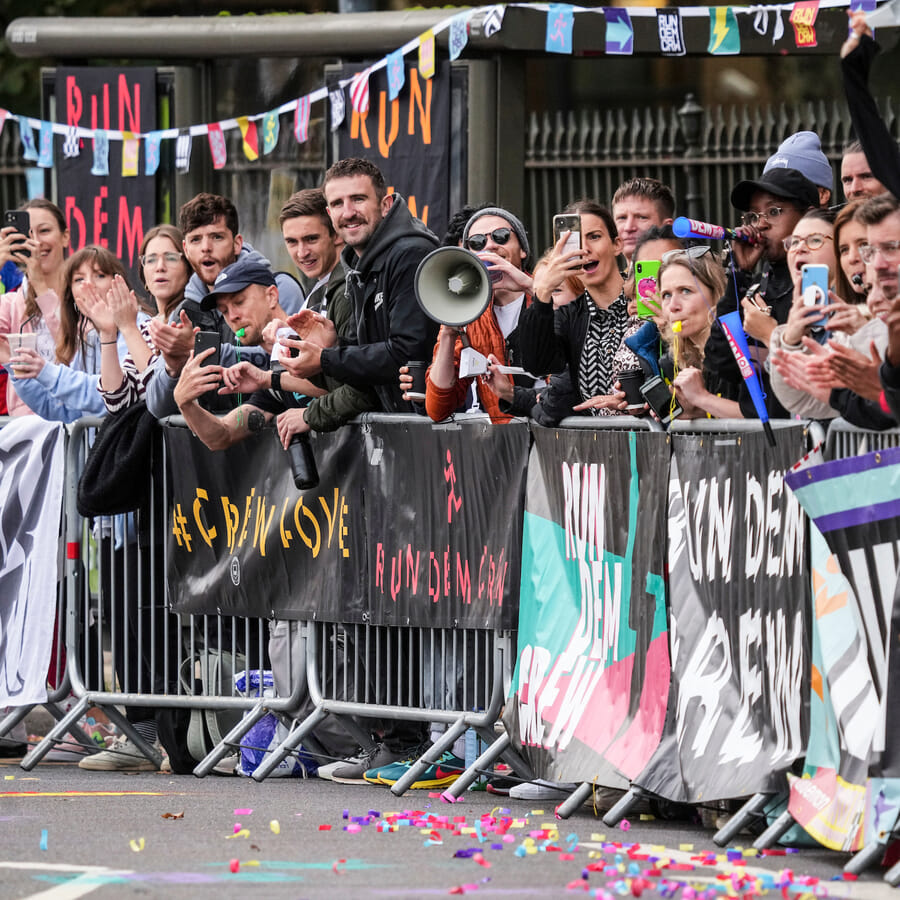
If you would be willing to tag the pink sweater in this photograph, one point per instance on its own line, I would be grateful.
(12, 319)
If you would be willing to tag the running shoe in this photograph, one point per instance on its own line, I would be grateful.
(353, 770)
(122, 756)
(438, 774)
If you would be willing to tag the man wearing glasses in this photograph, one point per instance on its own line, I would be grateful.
(759, 282)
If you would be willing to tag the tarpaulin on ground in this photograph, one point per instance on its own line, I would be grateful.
(592, 675)
(850, 793)
(738, 583)
(244, 541)
(444, 522)
(31, 487)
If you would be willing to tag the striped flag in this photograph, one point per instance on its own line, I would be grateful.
(359, 91)
(183, 151)
(251, 140)
(71, 142)
(301, 119)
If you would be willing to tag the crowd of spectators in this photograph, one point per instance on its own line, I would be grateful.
(310, 351)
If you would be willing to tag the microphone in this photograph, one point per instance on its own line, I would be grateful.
(693, 228)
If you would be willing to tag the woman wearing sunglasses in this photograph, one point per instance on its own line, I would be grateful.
(584, 335)
(690, 282)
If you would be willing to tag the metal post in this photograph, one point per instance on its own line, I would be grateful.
(690, 115)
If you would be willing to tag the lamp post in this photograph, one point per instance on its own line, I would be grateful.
(690, 117)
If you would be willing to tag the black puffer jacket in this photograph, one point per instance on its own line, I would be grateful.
(391, 328)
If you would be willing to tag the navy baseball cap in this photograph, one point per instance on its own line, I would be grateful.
(236, 277)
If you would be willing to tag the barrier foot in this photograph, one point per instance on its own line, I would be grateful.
(11, 719)
(771, 835)
(55, 735)
(291, 742)
(892, 876)
(431, 755)
(623, 807)
(574, 800)
(869, 856)
(747, 814)
(230, 740)
(485, 761)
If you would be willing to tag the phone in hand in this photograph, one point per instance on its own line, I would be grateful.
(572, 224)
(203, 340)
(646, 272)
(814, 288)
(21, 221)
(661, 399)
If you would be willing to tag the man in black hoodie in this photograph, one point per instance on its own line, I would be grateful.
(384, 245)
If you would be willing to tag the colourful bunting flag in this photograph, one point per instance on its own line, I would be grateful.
(183, 151)
(803, 18)
(560, 19)
(5, 112)
(427, 56)
(251, 140)
(217, 145)
(459, 35)
(26, 135)
(130, 154)
(101, 154)
(271, 129)
(338, 107)
(71, 143)
(724, 35)
(152, 143)
(761, 22)
(301, 120)
(493, 21)
(45, 156)
(619, 31)
(396, 74)
(359, 91)
(671, 36)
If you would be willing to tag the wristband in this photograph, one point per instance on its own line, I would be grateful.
(104, 343)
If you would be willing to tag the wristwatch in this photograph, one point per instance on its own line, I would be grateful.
(276, 380)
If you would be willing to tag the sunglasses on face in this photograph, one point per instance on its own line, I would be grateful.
(478, 242)
(689, 252)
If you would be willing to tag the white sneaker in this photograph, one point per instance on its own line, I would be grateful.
(542, 790)
(122, 756)
(227, 765)
(327, 772)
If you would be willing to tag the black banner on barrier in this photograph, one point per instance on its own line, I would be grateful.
(244, 541)
(444, 523)
(592, 674)
(738, 581)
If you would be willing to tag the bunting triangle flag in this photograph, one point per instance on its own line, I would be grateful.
(396, 74)
(459, 35)
(3, 114)
(183, 151)
(217, 146)
(338, 107)
(251, 141)
(271, 129)
(803, 18)
(152, 143)
(301, 119)
(45, 156)
(359, 91)
(71, 144)
(724, 35)
(101, 154)
(427, 56)
(26, 135)
(130, 154)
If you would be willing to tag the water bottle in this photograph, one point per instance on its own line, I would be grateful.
(303, 462)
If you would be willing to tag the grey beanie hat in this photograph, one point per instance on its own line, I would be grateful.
(514, 223)
(803, 151)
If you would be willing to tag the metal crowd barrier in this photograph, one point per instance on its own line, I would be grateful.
(123, 623)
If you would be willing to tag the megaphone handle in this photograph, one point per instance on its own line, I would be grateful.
(464, 337)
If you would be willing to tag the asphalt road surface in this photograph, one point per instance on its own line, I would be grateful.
(67, 833)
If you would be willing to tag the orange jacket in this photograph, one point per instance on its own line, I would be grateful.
(484, 336)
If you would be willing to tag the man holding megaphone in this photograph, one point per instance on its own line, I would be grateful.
(498, 238)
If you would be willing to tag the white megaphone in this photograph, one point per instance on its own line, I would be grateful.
(453, 286)
(885, 16)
